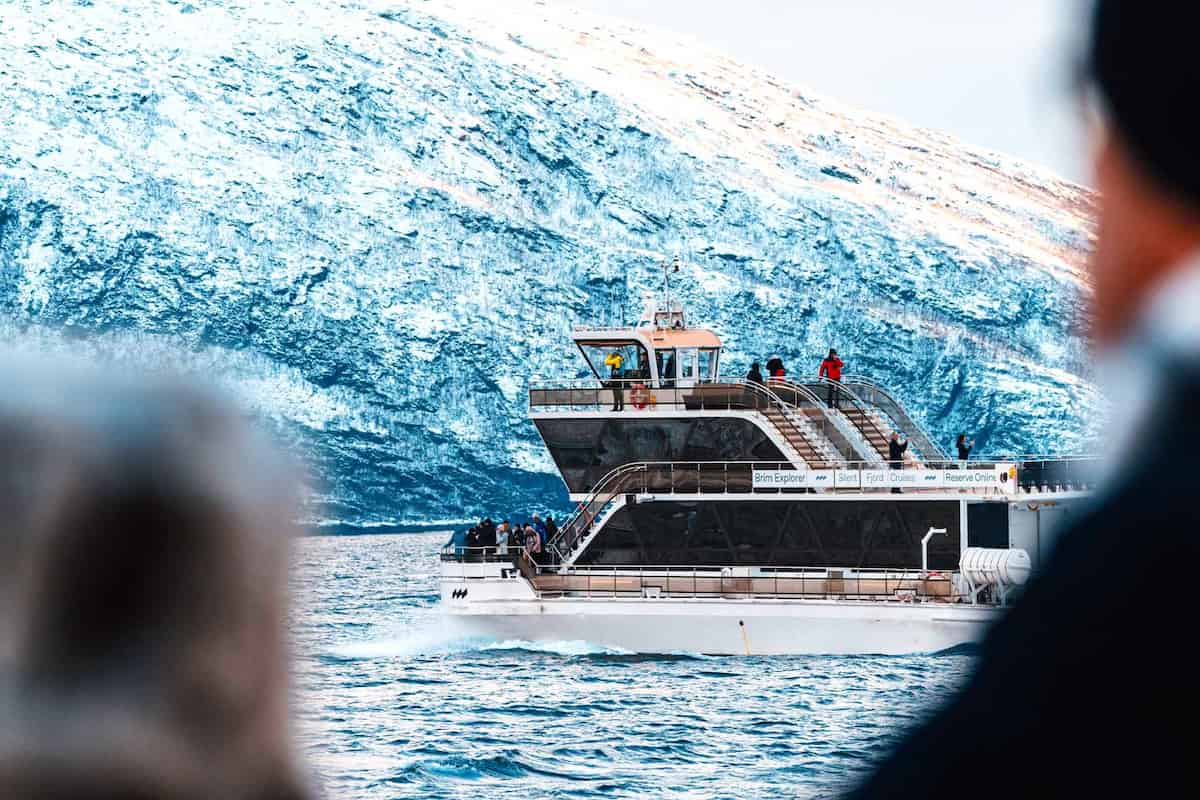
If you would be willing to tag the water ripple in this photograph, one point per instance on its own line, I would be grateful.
(394, 702)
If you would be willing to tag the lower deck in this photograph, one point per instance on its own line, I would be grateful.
(725, 615)
(817, 584)
(820, 531)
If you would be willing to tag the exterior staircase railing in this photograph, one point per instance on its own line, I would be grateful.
(576, 528)
(793, 432)
(817, 413)
(815, 391)
(871, 392)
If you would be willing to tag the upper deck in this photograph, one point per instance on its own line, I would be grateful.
(656, 394)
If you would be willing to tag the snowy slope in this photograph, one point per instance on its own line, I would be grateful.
(376, 221)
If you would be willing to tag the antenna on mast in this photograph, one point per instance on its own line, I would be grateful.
(669, 315)
(668, 270)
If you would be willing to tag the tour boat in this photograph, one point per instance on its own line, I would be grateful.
(717, 515)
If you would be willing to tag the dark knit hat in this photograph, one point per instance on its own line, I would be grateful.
(1143, 59)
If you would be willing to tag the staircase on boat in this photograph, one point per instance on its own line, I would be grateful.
(871, 423)
(893, 413)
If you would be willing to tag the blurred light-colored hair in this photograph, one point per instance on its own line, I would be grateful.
(143, 559)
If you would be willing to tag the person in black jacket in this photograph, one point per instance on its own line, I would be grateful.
(754, 378)
(896, 451)
(1080, 683)
(964, 449)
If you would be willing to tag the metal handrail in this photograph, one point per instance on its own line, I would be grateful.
(596, 393)
(741, 395)
(762, 390)
(577, 525)
(882, 399)
(827, 427)
(697, 581)
(805, 388)
(718, 477)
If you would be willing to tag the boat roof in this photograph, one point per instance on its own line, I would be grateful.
(659, 338)
(696, 337)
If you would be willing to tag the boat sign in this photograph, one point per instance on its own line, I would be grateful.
(1001, 477)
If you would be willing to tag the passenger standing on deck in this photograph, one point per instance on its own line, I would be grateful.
(775, 367)
(616, 376)
(896, 450)
(502, 539)
(458, 540)
(753, 378)
(533, 543)
(487, 535)
(1086, 651)
(540, 527)
(551, 529)
(964, 450)
(831, 368)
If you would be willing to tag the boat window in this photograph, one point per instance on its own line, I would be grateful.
(708, 365)
(687, 361)
(667, 366)
(634, 361)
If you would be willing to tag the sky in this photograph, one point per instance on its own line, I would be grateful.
(994, 74)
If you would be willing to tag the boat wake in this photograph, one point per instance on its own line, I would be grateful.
(442, 637)
(572, 647)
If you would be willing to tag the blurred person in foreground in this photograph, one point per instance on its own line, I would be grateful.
(143, 558)
(1084, 689)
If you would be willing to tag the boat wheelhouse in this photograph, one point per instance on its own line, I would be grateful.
(722, 515)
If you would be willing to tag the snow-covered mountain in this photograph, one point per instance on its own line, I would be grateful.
(377, 221)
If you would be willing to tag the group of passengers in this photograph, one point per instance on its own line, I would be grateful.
(830, 370)
(506, 539)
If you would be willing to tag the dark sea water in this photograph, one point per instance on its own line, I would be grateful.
(393, 704)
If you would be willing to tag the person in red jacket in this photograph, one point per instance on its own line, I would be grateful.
(831, 368)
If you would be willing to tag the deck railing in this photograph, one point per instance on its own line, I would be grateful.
(736, 394)
(648, 481)
(685, 581)
(1036, 474)
(727, 394)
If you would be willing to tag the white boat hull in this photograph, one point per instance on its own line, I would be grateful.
(731, 627)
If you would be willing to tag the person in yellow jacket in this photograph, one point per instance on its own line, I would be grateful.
(614, 361)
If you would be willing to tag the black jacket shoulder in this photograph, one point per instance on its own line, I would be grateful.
(1083, 678)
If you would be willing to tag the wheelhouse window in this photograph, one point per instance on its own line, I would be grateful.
(603, 358)
(668, 367)
(708, 366)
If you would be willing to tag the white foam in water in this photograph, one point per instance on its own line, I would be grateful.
(573, 647)
(442, 636)
(430, 637)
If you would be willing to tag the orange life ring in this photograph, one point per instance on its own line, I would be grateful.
(639, 396)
